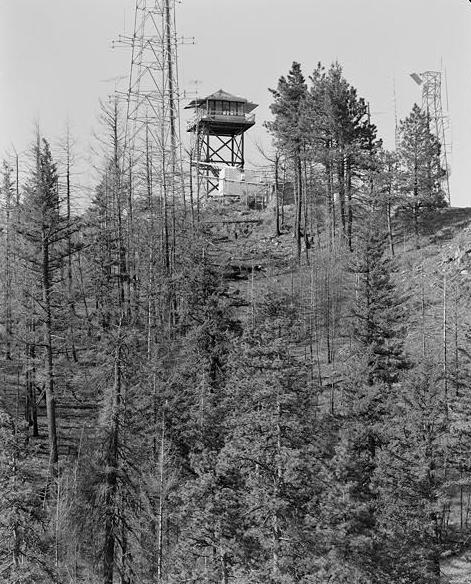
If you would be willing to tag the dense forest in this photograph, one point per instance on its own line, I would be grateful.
(198, 392)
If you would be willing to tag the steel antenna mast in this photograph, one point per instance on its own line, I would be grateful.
(431, 82)
(432, 104)
(153, 107)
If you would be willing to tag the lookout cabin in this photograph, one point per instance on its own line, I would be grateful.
(221, 114)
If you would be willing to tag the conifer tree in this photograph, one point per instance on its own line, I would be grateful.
(288, 130)
(350, 508)
(195, 414)
(26, 547)
(270, 415)
(115, 348)
(43, 231)
(384, 193)
(420, 169)
(379, 314)
(343, 140)
(8, 194)
(411, 480)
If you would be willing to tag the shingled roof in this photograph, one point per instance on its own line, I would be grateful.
(221, 95)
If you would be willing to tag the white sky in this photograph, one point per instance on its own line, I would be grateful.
(56, 54)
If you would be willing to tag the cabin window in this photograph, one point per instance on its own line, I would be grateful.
(225, 108)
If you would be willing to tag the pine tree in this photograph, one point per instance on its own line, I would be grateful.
(8, 194)
(116, 358)
(350, 508)
(43, 231)
(343, 140)
(384, 193)
(26, 547)
(289, 133)
(270, 406)
(420, 169)
(379, 314)
(207, 516)
(411, 480)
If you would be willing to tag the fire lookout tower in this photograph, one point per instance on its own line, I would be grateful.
(219, 123)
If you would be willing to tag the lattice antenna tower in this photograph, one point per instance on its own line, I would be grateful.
(431, 82)
(396, 124)
(152, 98)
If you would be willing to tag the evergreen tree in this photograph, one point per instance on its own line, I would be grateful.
(43, 231)
(420, 169)
(384, 190)
(26, 546)
(7, 191)
(379, 314)
(117, 352)
(270, 406)
(350, 508)
(411, 480)
(289, 133)
(344, 140)
(207, 513)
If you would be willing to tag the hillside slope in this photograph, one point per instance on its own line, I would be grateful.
(434, 279)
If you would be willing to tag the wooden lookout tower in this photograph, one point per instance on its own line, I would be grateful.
(219, 123)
